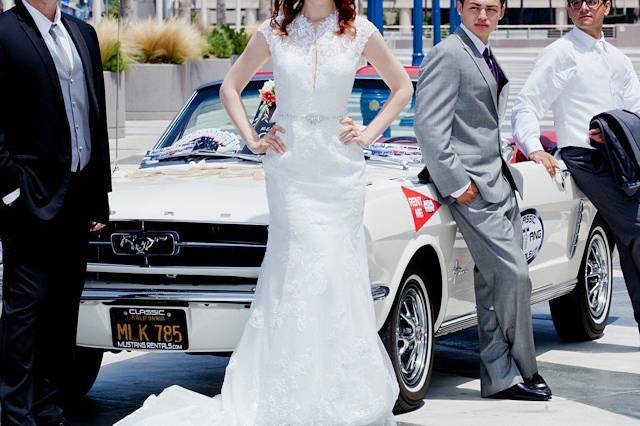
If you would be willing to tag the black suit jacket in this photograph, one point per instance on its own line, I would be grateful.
(621, 130)
(35, 139)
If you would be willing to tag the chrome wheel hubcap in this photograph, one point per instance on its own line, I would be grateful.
(413, 334)
(597, 277)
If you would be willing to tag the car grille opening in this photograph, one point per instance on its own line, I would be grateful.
(196, 244)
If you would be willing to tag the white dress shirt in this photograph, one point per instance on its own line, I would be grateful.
(44, 25)
(481, 46)
(578, 77)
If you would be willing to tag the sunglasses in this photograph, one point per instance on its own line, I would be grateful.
(591, 4)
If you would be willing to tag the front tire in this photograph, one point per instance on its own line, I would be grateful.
(86, 366)
(408, 336)
(582, 314)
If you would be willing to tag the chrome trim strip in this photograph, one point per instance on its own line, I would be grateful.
(552, 291)
(113, 295)
(545, 293)
(576, 230)
(242, 272)
(195, 244)
(457, 324)
(210, 296)
(233, 245)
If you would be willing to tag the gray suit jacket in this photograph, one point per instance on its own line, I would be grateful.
(457, 121)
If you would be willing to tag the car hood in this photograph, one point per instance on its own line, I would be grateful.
(231, 192)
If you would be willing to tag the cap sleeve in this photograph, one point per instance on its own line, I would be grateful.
(267, 31)
(364, 30)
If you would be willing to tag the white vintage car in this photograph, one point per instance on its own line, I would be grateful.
(177, 267)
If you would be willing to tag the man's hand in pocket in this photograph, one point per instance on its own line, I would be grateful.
(470, 194)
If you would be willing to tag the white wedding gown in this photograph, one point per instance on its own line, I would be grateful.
(310, 353)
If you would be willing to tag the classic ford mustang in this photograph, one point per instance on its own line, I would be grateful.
(176, 268)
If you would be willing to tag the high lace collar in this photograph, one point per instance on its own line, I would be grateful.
(328, 22)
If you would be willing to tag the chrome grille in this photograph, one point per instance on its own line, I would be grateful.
(198, 244)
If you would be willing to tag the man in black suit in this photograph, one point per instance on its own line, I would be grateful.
(54, 183)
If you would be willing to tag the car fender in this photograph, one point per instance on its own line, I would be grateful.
(411, 248)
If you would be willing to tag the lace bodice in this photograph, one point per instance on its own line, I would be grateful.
(314, 67)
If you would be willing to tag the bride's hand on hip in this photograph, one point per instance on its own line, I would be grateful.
(269, 142)
(353, 134)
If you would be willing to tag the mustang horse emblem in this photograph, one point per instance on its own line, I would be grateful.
(141, 244)
(144, 244)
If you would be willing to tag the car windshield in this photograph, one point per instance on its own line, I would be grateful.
(203, 129)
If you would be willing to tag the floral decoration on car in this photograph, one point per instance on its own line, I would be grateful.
(262, 120)
(268, 93)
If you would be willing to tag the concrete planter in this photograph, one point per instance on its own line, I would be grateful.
(207, 70)
(156, 91)
(115, 102)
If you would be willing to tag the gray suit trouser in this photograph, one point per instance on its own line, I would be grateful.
(493, 233)
(592, 174)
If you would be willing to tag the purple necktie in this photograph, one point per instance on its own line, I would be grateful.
(488, 57)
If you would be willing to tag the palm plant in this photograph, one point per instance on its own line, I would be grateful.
(169, 42)
(116, 51)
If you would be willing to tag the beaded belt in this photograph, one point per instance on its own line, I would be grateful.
(312, 118)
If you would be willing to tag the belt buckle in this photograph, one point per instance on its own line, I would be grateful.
(312, 118)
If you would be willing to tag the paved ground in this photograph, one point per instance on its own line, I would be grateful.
(594, 383)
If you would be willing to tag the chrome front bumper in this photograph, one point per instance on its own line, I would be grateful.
(109, 295)
(215, 318)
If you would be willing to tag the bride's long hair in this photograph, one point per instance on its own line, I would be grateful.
(289, 9)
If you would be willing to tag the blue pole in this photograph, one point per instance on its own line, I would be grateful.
(375, 14)
(418, 18)
(436, 21)
(453, 16)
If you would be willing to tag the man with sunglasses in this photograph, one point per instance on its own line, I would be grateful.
(578, 77)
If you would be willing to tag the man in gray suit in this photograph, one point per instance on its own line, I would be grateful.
(459, 97)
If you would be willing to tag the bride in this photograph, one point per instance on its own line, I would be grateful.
(310, 353)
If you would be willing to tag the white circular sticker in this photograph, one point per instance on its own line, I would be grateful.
(532, 234)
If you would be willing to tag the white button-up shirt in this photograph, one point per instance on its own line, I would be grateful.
(578, 77)
(44, 25)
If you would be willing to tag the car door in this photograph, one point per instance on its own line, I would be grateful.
(551, 210)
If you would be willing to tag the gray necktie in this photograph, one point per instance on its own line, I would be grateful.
(60, 52)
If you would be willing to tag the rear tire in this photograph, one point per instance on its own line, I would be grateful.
(582, 314)
(408, 336)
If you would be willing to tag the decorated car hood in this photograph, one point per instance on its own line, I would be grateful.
(229, 191)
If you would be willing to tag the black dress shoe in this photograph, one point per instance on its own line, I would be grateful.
(521, 392)
(537, 382)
